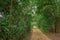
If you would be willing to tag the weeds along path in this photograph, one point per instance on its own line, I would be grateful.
(36, 34)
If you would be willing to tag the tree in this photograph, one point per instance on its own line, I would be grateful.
(46, 9)
(16, 24)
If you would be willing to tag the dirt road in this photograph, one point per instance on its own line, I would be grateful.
(36, 34)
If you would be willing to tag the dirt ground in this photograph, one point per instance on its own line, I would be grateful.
(53, 36)
(36, 34)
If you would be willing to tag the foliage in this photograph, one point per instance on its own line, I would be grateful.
(47, 10)
(16, 23)
(17, 17)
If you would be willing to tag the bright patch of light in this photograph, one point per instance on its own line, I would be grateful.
(34, 10)
(1, 16)
(58, 0)
(20, 3)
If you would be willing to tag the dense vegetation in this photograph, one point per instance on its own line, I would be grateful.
(46, 9)
(16, 17)
(15, 23)
(47, 15)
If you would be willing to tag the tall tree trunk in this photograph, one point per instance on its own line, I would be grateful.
(10, 20)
